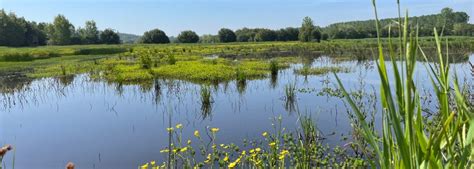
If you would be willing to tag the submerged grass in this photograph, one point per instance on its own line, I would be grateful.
(321, 70)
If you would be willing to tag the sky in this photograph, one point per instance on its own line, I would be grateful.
(208, 16)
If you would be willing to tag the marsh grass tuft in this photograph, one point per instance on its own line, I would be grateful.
(290, 97)
(206, 101)
(274, 67)
(306, 70)
(171, 59)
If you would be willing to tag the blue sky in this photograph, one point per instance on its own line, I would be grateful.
(208, 16)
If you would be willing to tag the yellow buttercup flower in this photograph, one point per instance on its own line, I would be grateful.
(189, 141)
(208, 159)
(232, 165)
(226, 158)
(283, 154)
(264, 134)
(170, 129)
(153, 163)
(164, 151)
(258, 150)
(272, 144)
(214, 130)
(184, 149)
(178, 126)
(145, 166)
(196, 133)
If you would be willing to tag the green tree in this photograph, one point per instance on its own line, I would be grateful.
(188, 37)
(287, 34)
(306, 30)
(265, 35)
(34, 36)
(109, 36)
(209, 39)
(89, 34)
(155, 36)
(463, 29)
(316, 34)
(324, 36)
(61, 31)
(227, 35)
(12, 32)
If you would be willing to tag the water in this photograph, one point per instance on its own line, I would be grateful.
(96, 124)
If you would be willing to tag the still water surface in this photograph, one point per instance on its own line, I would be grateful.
(97, 124)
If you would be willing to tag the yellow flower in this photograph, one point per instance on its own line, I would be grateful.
(272, 144)
(178, 126)
(243, 152)
(208, 159)
(258, 150)
(226, 158)
(184, 149)
(281, 157)
(164, 151)
(252, 151)
(189, 141)
(196, 133)
(222, 145)
(153, 163)
(170, 129)
(232, 165)
(282, 154)
(264, 134)
(214, 146)
(145, 166)
(214, 130)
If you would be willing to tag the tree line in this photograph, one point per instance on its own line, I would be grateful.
(447, 21)
(16, 31)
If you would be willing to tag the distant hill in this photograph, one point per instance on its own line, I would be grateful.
(454, 23)
(128, 38)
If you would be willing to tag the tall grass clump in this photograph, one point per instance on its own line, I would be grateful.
(145, 60)
(290, 97)
(405, 141)
(290, 92)
(206, 101)
(274, 67)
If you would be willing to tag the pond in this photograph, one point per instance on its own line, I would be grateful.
(97, 124)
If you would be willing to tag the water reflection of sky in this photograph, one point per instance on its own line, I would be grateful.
(106, 125)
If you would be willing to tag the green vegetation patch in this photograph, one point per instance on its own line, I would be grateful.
(214, 70)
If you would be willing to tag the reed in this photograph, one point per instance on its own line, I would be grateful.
(273, 67)
(405, 142)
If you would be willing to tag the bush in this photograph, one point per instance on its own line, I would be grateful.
(155, 36)
(227, 35)
(188, 37)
